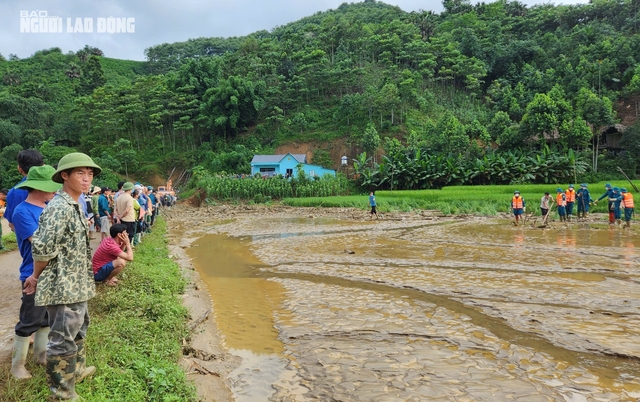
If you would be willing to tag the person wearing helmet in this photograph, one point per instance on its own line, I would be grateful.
(517, 205)
(615, 202)
(627, 204)
(63, 276)
(570, 196)
(561, 200)
(608, 194)
(584, 199)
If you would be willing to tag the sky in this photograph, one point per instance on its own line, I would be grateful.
(122, 29)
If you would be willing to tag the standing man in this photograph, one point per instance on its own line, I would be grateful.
(123, 210)
(608, 194)
(104, 212)
(616, 200)
(517, 205)
(33, 319)
(570, 196)
(545, 204)
(3, 205)
(561, 200)
(627, 204)
(154, 204)
(372, 204)
(62, 278)
(584, 199)
(26, 159)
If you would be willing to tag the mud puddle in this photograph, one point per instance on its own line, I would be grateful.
(469, 310)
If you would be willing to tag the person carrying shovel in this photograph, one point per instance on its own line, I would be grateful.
(561, 200)
(545, 205)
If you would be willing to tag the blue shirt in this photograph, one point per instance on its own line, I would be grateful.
(153, 199)
(14, 198)
(26, 218)
(372, 200)
(103, 206)
(608, 194)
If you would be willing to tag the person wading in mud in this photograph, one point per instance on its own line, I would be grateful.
(608, 194)
(627, 204)
(518, 206)
(545, 204)
(561, 200)
(570, 196)
(372, 204)
(63, 277)
(584, 199)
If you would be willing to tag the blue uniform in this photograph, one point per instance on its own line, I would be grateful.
(616, 200)
(583, 197)
(14, 198)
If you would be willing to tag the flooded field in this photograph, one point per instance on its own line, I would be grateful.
(415, 310)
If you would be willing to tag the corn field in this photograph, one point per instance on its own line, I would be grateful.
(263, 189)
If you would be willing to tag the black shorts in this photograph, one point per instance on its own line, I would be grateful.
(373, 210)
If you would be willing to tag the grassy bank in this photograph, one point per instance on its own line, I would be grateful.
(480, 200)
(135, 335)
(9, 242)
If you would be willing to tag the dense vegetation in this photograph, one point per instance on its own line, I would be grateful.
(478, 200)
(468, 87)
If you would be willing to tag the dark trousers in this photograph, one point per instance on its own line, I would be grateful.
(32, 317)
(131, 229)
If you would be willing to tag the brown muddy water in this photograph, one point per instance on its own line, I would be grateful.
(457, 310)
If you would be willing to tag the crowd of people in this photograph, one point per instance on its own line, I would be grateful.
(54, 211)
(618, 200)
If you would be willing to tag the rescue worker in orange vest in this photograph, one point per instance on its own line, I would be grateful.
(561, 200)
(570, 196)
(627, 204)
(517, 205)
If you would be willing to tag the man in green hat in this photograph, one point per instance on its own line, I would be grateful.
(33, 319)
(63, 277)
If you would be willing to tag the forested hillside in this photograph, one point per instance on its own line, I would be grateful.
(486, 93)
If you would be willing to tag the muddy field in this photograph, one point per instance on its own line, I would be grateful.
(322, 304)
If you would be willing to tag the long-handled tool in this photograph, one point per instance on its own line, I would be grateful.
(628, 179)
(545, 219)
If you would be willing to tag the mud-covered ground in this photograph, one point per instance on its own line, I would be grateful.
(324, 304)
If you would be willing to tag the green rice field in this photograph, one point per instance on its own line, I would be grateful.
(477, 200)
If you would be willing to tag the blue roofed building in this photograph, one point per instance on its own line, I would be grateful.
(273, 165)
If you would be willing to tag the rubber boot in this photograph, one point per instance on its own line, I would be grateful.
(61, 377)
(19, 357)
(82, 371)
(40, 345)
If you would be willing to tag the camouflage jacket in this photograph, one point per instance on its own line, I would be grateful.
(63, 240)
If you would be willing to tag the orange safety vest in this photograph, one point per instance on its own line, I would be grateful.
(571, 195)
(627, 200)
(560, 200)
(516, 203)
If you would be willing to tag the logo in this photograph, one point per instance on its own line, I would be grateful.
(39, 21)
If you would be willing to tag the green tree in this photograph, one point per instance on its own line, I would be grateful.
(370, 140)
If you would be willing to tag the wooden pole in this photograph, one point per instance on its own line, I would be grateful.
(627, 177)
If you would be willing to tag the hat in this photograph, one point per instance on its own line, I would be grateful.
(559, 190)
(583, 185)
(149, 187)
(75, 160)
(39, 178)
(570, 185)
(516, 192)
(607, 185)
(127, 186)
(623, 190)
(616, 189)
(96, 190)
(105, 189)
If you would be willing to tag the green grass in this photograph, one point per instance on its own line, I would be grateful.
(477, 200)
(135, 335)
(9, 242)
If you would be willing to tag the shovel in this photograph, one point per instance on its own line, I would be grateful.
(545, 219)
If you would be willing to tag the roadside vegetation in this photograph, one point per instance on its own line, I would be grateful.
(9, 242)
(476, 200)
(135, 336)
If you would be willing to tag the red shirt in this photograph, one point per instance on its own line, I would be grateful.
(107, 251)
